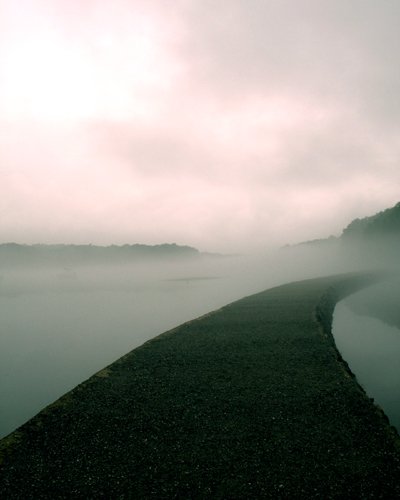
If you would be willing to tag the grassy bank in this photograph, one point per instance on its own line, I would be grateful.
(250, 401)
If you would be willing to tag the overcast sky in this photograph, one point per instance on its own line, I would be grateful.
(222, 124)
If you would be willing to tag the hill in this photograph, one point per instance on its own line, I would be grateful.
(13, 254)
(382, 230)
(385, 224)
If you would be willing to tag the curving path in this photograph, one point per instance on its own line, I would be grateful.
(250, 401)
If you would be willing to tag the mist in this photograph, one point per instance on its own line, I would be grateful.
(235, 127)
(61, 323)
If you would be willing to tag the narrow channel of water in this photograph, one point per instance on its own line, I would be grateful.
(372, 350)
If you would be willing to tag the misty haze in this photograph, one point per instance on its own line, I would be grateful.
(225, 172)
(67, 311)
(61, 324)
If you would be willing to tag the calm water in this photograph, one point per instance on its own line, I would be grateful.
(57, 328)
(372, 350)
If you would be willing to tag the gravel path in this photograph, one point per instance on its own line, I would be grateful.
(250, 401)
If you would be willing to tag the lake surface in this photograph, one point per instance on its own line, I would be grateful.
(372, 350)
(58, 327)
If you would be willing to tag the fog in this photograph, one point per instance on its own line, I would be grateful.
(60, 324)
(230, 126)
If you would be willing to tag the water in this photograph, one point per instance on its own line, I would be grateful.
(372, 350)
(58, 327)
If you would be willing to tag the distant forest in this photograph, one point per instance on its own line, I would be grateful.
(382, 228)
(67, 255)
(385, 223)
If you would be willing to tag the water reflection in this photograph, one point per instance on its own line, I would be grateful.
(372, 350)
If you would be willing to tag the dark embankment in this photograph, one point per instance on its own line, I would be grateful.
(250, 401)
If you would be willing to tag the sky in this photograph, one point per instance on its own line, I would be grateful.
(225, 125)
